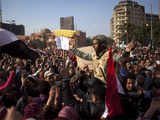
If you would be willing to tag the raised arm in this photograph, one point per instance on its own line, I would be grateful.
(82, 54)
(79, 53)
(129, 47)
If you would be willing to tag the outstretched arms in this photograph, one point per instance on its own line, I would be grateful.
(79, 53)
(82, 54)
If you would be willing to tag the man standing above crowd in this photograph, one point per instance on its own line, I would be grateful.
(100, 56)
(99, 59)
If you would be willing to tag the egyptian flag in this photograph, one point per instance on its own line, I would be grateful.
(113, 106)
(11, 45)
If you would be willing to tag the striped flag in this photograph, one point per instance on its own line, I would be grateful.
(11, 45)
(113, 106)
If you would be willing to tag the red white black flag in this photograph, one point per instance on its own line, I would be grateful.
(113, 106)
(11, 45)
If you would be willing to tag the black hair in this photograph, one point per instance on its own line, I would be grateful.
(44, 88)
(131, 76)
(156, 83)
(33, 92)
(102, 40)
(60, 118)
(9, 97)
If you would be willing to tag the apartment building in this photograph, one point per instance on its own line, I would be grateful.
(126, 12)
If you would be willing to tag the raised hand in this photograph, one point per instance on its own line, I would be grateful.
(130, 46)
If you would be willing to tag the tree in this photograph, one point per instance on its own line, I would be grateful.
(132, 32)
(156, 34)
(127, 32)
(89, 41)
(38, 44)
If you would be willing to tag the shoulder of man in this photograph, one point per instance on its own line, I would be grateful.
(106, 54)
(93, 54)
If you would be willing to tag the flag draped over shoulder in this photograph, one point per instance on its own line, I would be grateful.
(113, 104)
(11, 45)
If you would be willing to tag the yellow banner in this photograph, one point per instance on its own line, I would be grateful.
(65, 33)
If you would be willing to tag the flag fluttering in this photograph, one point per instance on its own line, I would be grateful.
(11, 45)
(113, 104)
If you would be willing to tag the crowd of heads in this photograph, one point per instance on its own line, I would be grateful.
(54, 87)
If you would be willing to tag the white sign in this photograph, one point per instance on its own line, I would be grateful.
(62, 43)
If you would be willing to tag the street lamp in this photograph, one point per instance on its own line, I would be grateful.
(147, 25)
(151, 35)
(127, 36)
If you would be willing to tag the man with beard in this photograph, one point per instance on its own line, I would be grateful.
(99, 59)
(97, 84)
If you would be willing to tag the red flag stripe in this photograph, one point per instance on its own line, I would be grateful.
(112, 97)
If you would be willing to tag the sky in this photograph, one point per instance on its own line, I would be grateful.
(90, 16)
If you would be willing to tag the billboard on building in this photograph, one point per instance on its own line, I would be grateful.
(67, 23)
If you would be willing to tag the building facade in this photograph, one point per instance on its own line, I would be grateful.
(67, 23)
(151, 17)
(16, 29)
(129, 12)
(126, 12)
(80, 39)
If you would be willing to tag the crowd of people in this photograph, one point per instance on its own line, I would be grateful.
(54, 87)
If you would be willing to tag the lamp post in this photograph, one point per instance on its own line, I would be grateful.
(146, 33)
(126, 36)
(0, 14)
(151, 30)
